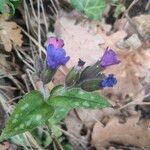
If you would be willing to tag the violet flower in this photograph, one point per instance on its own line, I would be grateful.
(109, 81)
(56, 56)
(57, 43)
(109, 58)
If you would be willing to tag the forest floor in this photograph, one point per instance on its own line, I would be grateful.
(126, 126)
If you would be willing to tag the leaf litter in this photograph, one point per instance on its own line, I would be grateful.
(87, 40)
(10, 34)
(132, 75)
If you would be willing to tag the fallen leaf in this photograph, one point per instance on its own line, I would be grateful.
(142, 23)
(74, 126)
(135, 64)
(77, 47)
(10, 34)
(5, 146)
(89, 117)
(129, 133)
(84, 40)
(91, 47)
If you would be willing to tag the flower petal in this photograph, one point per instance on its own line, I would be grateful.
(58, 43)
(56, 57)
(109, 58)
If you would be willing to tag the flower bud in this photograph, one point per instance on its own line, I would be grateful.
(73, 76)
(47, 75)
(92, 84)
(91, 72)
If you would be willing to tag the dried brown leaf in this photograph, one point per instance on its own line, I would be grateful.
(134, 66)
(10, 34)
(74, 126)
(129, 133)
(85, 40)
(142, 23)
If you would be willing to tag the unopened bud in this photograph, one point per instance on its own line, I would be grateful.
(47, 75)
(91, 84)
(72, 77)
(91, 72)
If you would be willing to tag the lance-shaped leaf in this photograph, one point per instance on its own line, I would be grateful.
(77, 98)
(92, 8)
(60, 112)
(31, 112)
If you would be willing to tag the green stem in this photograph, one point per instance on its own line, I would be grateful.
(57, 144)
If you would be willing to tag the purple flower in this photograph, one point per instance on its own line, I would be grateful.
(109, 58)
(56, 57)
(109, 81)
(58, 43)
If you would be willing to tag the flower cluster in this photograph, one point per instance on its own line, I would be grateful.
(109, 58)
(90, 78)
(56, 55)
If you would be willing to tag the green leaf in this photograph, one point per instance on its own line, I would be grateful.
(77, 98)
(60, 112)
(31, 112)
(56, 89)
(2, 5)
(92, 8)
(67, 147)
(56, 130)
(11, 7)
(16, 3)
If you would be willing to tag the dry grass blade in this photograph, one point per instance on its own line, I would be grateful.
(136, 102)
(44, 16)
(33, 141)
(82, 142)
(34, 41)
(22, 58)
(39, 28)
(16, 83)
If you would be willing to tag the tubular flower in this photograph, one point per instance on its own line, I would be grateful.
(56, 57)
(109, 58)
